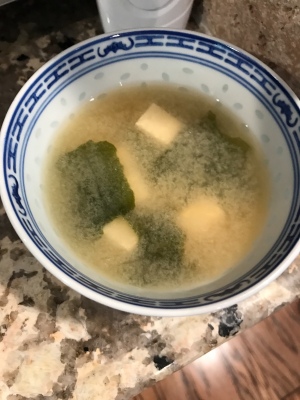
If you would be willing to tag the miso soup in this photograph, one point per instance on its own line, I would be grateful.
(157, 187)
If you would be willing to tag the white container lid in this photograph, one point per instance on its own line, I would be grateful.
(126, 14)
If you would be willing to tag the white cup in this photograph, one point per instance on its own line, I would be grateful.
(127, 14)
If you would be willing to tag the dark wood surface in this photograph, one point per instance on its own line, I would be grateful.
(262, 363)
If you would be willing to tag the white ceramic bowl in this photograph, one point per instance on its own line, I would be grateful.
(242, 83)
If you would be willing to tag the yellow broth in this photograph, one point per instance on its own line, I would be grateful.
(216, 215)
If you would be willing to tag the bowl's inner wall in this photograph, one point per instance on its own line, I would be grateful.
(47, 119)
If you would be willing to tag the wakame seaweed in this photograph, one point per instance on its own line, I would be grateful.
(220, 156)
(231, 152)
(161, 247)
(97, 187)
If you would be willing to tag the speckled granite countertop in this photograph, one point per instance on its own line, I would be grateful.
(54, 343)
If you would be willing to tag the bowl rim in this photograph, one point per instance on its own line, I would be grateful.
(68, 280)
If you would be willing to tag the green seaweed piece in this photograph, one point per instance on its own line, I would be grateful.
(237, 144)
(229, 154)
(97, 187)
(223, 156)
(161, 247)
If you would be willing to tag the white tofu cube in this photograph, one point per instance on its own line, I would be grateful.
(121, 233)
(202, 217)
(133, 175)
(159, 124)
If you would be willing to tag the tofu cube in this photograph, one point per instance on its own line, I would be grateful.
(159, 124)
(133, 175)
(202, 217)
(121, 233)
